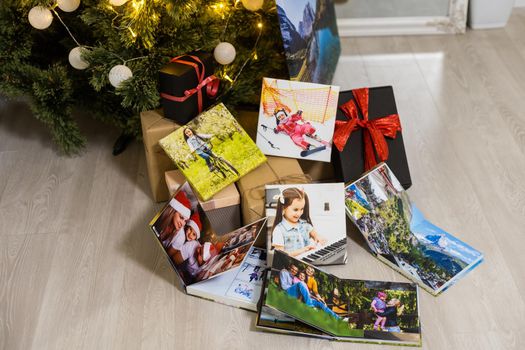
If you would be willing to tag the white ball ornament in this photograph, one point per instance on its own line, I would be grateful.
(224, 53)
(252, 5)
(117, 2)
(119, 74)
(75, 58)
(40, 17)
(68, 5)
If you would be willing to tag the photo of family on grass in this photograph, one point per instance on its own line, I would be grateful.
(398, 233)
(344, 309)
(212, 151)
(194, 249)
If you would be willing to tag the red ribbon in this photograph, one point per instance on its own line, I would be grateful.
(374, 131)
(211, 82)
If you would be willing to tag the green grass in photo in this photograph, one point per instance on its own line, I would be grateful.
(240, 151)
(283, 302)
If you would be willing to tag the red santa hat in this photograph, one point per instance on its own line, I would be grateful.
(209, 251)
(182, 204)
(195, 224)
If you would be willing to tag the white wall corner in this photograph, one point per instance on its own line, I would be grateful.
(519, 3)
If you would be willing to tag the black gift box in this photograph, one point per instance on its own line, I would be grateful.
(349, 164)
(176, 78)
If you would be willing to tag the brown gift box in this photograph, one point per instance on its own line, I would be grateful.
(155, 127)
(223, 209)
(276, 170)
(318, 171)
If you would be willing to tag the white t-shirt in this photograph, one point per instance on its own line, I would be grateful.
(188, 254)
(177, 241)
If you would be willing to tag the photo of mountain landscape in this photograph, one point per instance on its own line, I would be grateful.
(398, 233)
(310, 38)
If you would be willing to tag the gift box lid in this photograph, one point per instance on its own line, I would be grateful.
(227, 197)
(350, 162)
(274, 170)
(175, 77)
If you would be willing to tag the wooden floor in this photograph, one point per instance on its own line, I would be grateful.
(79, 269)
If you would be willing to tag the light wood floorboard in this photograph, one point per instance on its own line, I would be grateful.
(79, 269)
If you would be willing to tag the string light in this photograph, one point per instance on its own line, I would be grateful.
(227, 77)
(133, 34)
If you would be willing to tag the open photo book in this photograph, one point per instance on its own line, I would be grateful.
(301, 299)
(307, 221)
(226, 268)
(399, 235)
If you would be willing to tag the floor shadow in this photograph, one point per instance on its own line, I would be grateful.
(140, 245)
(17, 120)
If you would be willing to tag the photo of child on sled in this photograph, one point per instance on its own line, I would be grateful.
(297, 119)
(194, 249)
(212, 151)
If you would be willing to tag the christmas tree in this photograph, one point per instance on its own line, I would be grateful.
(59, 54)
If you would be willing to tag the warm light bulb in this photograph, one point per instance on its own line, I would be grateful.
(117, 2)
(259, 25)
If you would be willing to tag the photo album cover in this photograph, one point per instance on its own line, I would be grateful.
(297, 119)
(399, 235)
(195, 250)
(310, 39)
(212, 151)
(307, 221)
(299, 298)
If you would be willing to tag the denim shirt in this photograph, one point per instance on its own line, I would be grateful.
(197, 144)
(292, 238)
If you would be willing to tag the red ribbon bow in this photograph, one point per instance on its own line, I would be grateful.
(374, 131)
(211, 82)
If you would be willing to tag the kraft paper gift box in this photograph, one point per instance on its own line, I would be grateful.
(383, 127)
(276, 170)
(155, 127)
(223, 209)
(318, 171)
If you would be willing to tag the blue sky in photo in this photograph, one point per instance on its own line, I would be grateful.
(423, 229)
(294, 9)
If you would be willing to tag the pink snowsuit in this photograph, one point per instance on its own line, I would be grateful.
(296, 131)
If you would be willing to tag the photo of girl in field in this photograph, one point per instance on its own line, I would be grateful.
(212, 151)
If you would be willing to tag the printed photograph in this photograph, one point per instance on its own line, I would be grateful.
(248, 282)
(385, 311)
(297, 119)
(310, 38)
(195, 250)
(399, 234)
(307, 221)
(212, 151)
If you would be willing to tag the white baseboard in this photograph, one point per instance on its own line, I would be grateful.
(519, 3)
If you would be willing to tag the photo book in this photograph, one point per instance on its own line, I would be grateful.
(297, 119)
(399, 235)
(240, 287)
(307, 221)
(200, 255)
(310, 38)
(212, 151)
(301, 299)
